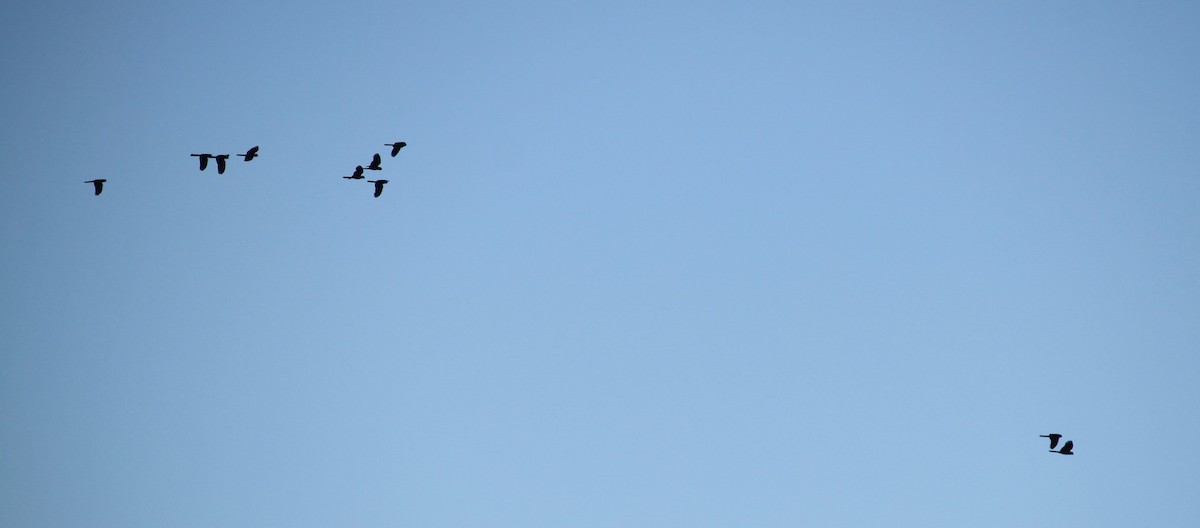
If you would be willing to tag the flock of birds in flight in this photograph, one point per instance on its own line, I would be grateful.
(376, 164)
(220, 159)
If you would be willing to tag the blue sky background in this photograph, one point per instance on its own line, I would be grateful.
(642, 264)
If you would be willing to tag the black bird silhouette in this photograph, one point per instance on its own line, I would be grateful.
(250, 154)
(378, 186)
(203, 160)
(1053, 439)
(396, 147)
(1066, 448)
(357, 174)
(99, 185)
(375, 163)
(221, 162)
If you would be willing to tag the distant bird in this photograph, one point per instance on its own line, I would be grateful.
(1053, 439)
(396, 147)
(1066, 448)
(221, 162)
(99, 185)
(203, 160)
(375, 163)
(357, 174)
(378, 186)
(250, 154)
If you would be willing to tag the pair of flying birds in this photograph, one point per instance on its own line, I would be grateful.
(1054, 438)
(376, 164)
(220, 159)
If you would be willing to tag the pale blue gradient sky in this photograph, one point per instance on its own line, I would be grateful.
(666, 264)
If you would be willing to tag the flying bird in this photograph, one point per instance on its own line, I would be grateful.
(221, 162)
(1066, 448)
(396, 147)
(378, 186)
(357, 174)
(99, 185)
(375, 163)
(1053, 439)
(203, 160)
(250, 154)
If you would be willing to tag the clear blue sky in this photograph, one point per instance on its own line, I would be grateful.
(642, 264)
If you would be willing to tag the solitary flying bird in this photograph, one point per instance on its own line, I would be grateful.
(250, 154)
(375, 163)
(357, 174)
(378, 186)
(99, 185)
(396, 147)
(1066, 448)
(1053, 439)
(221, 162)
(203, 160)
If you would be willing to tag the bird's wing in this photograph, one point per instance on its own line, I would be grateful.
(253, 151)
(358, 170)
(1067, 447)
(376, 160)
(203, 162)
(395, 149)
(99, 187)
(220, 165)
